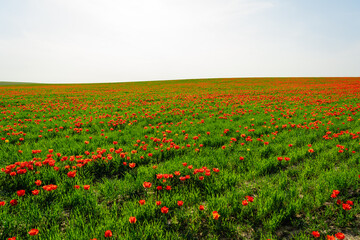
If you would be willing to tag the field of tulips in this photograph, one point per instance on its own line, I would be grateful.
(261, 158)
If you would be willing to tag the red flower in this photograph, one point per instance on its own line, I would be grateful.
(340, 236)
(216, 215)
(77, 186)
(180, 203)
(279, 158)
(159, 188)
(86, 187)
(33, 232)
(38, 182)
(244, 203)
(158, 203)
(311, 150)
(316, 234)
(241, 158)
(346, 207)
(330, 237)
(164, 209)
(49, 187)
(13, 202)
(168, 188)
(35, 192)
(71, 174)
(142, 202)
(201, 178)
(201, 207)
(249, 198)
(350, 202)
(12, 238)
(132, 165)
(336, 192)
(147, 184)
(132, 219)
(184, 164)
(21, 193)
(108, 233)
(2, 203)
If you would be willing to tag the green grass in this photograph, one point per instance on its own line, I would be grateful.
(291, 198)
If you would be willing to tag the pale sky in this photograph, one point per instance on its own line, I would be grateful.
(64, 41)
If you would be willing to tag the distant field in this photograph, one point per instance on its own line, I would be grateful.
(16, 83)
(259, 158)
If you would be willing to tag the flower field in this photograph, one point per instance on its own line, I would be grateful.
(260, 158)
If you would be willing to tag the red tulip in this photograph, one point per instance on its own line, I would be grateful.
(346, 207)
(316, 234)
(35, 192)
(13, 202)
(164, 209)
(21, 193)
(108, 233)
(340, 236)
(132, 219)
(249, 198)
(71, 174)
(216, 215)
(33, 232)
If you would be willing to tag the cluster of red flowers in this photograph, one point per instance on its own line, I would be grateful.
(248, 199)
(345, 205)
(285, 158)
(338, 235)
(50, 187)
